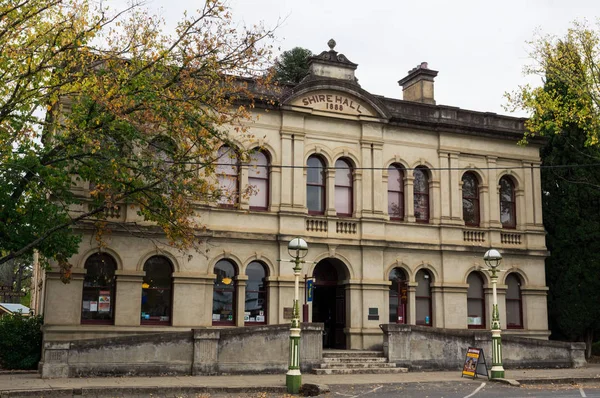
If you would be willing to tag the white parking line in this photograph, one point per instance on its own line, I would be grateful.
(582, 392)
(355, 396)
(476, 390)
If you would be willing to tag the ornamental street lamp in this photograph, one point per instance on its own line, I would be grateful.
(492, 259)
(297, 249)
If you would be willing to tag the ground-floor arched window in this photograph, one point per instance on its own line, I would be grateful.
(255, 309)
(475, 302)
(423, 300)
(514, 302)
(224, 293)
(157, 291)
(398, 296)
(98, 299)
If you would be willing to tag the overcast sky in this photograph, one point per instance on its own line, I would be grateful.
(479, 47)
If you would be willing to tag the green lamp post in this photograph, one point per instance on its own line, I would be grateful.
(492, 259)
(297, 248)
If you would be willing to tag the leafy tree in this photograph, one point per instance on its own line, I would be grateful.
(292, 65)
(571, 204)
(573, 61)
(16, 273)
(91, 98)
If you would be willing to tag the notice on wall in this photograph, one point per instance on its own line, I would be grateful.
(288, 312)
(93, 306)
(474, 363)
(104, 301)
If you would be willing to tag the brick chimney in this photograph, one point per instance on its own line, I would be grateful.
(417, 86)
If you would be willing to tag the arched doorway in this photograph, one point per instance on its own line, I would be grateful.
(329, 303)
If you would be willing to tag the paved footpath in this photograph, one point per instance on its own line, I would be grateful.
(18, 384)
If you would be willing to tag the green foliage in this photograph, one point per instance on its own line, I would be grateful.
(571, 210)
(292, 65)
(596, 349)
(20, 341)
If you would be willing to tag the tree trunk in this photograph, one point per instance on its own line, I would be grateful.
(588, 337)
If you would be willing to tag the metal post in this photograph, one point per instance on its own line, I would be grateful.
(497, 368)
(293, 378)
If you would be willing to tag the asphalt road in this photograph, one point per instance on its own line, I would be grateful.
(463, 389)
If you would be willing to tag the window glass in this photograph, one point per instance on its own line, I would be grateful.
(423, 298)
(398, 296)
(227, 174)
(343, 188)
(507, 203)
(256, 294)
(156, 290)
(514, 307)
(470, 193)
(421, 194)
(98, 299)
(396, 192)
(315, 189)
(224, 293)
(258, 179)
(475, 302)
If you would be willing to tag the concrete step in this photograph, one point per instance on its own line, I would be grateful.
(356, 365)
(351, 353)
(359, 371)
(356, 359)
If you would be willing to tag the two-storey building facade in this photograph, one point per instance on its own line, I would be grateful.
(397, 199)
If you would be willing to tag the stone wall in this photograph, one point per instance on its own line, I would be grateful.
(263, 349)
(421, 347)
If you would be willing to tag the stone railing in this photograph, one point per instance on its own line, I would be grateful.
(256, 349)
(345, 227)
(422, 347)
(473, 236)
(510, 238)
(316, 225)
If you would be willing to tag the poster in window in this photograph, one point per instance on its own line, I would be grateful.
(93, 306)
(104, 301)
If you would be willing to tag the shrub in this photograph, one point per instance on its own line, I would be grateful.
(20, 341)
(596, 349)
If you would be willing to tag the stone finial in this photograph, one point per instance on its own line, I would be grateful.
(331, 43)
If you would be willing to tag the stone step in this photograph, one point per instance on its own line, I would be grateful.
(351, 353)
(356, 365)
(356, 359)
(359, 371)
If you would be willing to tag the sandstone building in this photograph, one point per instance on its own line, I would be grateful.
(397, 199)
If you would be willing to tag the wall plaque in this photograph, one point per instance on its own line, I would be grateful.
(288, 312)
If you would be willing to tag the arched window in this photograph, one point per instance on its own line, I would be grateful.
(424, 314)
(421, 194)
(475, 302)
(398, 296)
(514, 302)
(315, 185)
(256, 294)
(343, 188)
(98, 299)
(156, 291)
(224, 293)
(396, 192)
(258, 179)
(227, 173)
(470, 199)
(508, 211)
(163, 149)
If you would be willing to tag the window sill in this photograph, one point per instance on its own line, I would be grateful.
(97, 322)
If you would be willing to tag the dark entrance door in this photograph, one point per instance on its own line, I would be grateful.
(329, 304)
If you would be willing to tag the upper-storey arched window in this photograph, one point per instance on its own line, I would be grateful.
(256, 294)
(156, 291)
(421, 194)
(508, 210)
(227, 172)
(396, 192)
(224, 293)
(343, 188)
(470, 199)
(315, 185)
(258, 179)
(98, 299)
